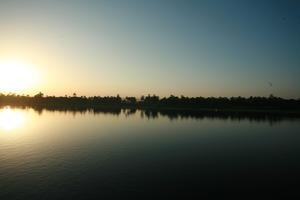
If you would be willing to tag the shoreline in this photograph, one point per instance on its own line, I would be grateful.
(74, 107)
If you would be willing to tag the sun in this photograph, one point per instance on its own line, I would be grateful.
(16, 76)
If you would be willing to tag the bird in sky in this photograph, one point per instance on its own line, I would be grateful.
(270, 84)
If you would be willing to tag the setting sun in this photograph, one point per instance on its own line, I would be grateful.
(16, 76)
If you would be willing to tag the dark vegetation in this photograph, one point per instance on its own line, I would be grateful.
(153, 101)
(258, 108)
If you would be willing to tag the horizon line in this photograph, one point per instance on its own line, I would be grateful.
(41, 94)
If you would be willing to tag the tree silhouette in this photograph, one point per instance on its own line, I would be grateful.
(39, 95)
(155, 102)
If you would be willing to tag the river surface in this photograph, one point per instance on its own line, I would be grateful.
(88, 154)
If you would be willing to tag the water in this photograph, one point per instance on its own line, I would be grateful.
(93, 154)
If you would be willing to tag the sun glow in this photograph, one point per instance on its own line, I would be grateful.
(10, 119)
(16, 76)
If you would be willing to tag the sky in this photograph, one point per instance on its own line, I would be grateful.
(163, 47)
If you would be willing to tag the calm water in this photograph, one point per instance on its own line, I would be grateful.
(55, 154)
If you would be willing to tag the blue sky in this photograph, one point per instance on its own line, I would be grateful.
(194, 48)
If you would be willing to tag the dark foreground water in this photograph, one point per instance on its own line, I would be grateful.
(60, 155)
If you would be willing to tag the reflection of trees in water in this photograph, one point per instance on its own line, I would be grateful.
(129, 112)
(150, 114)
(223, 115)
(271, 117)
(230, 115)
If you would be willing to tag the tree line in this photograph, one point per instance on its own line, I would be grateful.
(154, 101)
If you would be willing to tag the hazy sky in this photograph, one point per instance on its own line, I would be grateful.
(194, 48)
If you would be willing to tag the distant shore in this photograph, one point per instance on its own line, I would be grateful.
(270, 105)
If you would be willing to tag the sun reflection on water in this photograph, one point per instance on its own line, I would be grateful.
(10, 119)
